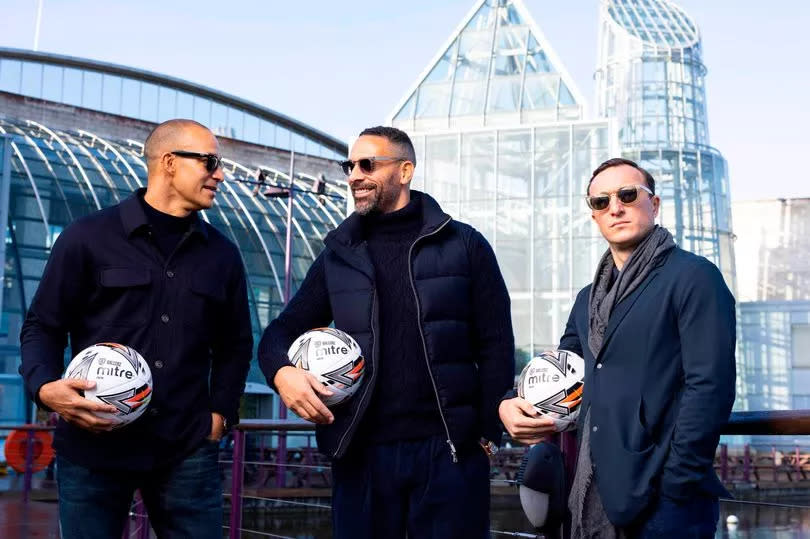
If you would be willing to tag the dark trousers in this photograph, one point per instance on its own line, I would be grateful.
(184, 501)
(414, 488)
(695, 518)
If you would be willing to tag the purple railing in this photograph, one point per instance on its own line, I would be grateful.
(303, 467)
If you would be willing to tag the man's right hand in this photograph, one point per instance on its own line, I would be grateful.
(299, 390)
(63, 397)
(524, 422)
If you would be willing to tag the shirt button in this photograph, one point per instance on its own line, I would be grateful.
(170, 274)
(164, 318)
(158, 364)
(598, 365)
(595, 428)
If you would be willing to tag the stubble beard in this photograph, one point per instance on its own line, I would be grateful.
(381, 200)
(369, 205)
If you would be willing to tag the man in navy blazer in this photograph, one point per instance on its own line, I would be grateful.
(657, 332)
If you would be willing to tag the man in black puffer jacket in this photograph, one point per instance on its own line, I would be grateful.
(423, 296)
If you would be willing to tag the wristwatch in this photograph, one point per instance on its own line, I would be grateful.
(488, 446)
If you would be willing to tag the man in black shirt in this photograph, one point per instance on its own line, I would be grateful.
(151, 274)
(423, 296)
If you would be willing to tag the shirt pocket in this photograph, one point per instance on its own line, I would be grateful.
(205, 303)
(125, 297)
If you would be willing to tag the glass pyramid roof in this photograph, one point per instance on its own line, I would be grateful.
(497, 63)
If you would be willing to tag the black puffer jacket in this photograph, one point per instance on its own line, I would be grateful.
(471, 365)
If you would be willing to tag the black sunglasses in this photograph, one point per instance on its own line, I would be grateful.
(626, 195)
(212, 160)
(366, 164)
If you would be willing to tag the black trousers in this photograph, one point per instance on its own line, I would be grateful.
(411, 487)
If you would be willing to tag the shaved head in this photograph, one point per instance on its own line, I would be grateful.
(167, 137)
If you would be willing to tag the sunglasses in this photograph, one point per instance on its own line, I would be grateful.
(212, 160)
(367, 164)
(626, 195)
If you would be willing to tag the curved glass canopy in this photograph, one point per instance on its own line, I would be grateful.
(58, 176)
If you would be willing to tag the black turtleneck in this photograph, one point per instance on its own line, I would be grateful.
(167, 230)
(403, 405)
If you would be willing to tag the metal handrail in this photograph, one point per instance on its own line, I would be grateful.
(781, 422)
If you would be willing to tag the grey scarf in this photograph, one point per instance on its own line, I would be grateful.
(604, 297)
(589, 520)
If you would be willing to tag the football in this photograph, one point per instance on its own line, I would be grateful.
(122, 378)
(553, 383)
(335, 359)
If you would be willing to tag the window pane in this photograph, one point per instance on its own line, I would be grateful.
(235, 122)
(72, 89)
(166, 104)
(31, 79)
(52, 83)
(91, 90)
(111, 97)
(131, 98)
(149, 102)
(185, 105)
(251, 133)
(10, 75)
(267, 133)
(219, 119)
(282, 138)
(299, 143)
(202, 110)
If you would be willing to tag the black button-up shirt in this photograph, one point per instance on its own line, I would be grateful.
(187, 314)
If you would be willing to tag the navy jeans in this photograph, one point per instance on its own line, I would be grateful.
(413, 487)
(184, 501)
(695, 518)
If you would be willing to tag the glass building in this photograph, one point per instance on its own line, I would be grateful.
(773, 275)
(61, 160)
(650, 79)
(154, 98)
(501, 143)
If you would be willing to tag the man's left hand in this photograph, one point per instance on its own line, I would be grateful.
(524, 422)
(217, 427)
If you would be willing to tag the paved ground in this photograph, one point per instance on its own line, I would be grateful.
(35, 519)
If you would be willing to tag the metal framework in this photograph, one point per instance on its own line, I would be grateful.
(58, 176)
(497, 68)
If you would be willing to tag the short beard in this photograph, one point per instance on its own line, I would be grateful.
(369, 206)
(382, 199)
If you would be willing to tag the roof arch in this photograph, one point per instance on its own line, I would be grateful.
(159, 97)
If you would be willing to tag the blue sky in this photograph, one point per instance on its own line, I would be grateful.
(342, 66)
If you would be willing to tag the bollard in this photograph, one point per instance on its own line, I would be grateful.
(237, 469)
(747, 464)
(29, 463)
(796, 464)
(281, 460)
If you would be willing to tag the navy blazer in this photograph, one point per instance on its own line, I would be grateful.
(661, 387)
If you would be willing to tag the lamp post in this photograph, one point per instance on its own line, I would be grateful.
(280, 192)
(288, 192)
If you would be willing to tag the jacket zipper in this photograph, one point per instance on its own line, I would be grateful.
(424, 344)
(370, 383)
